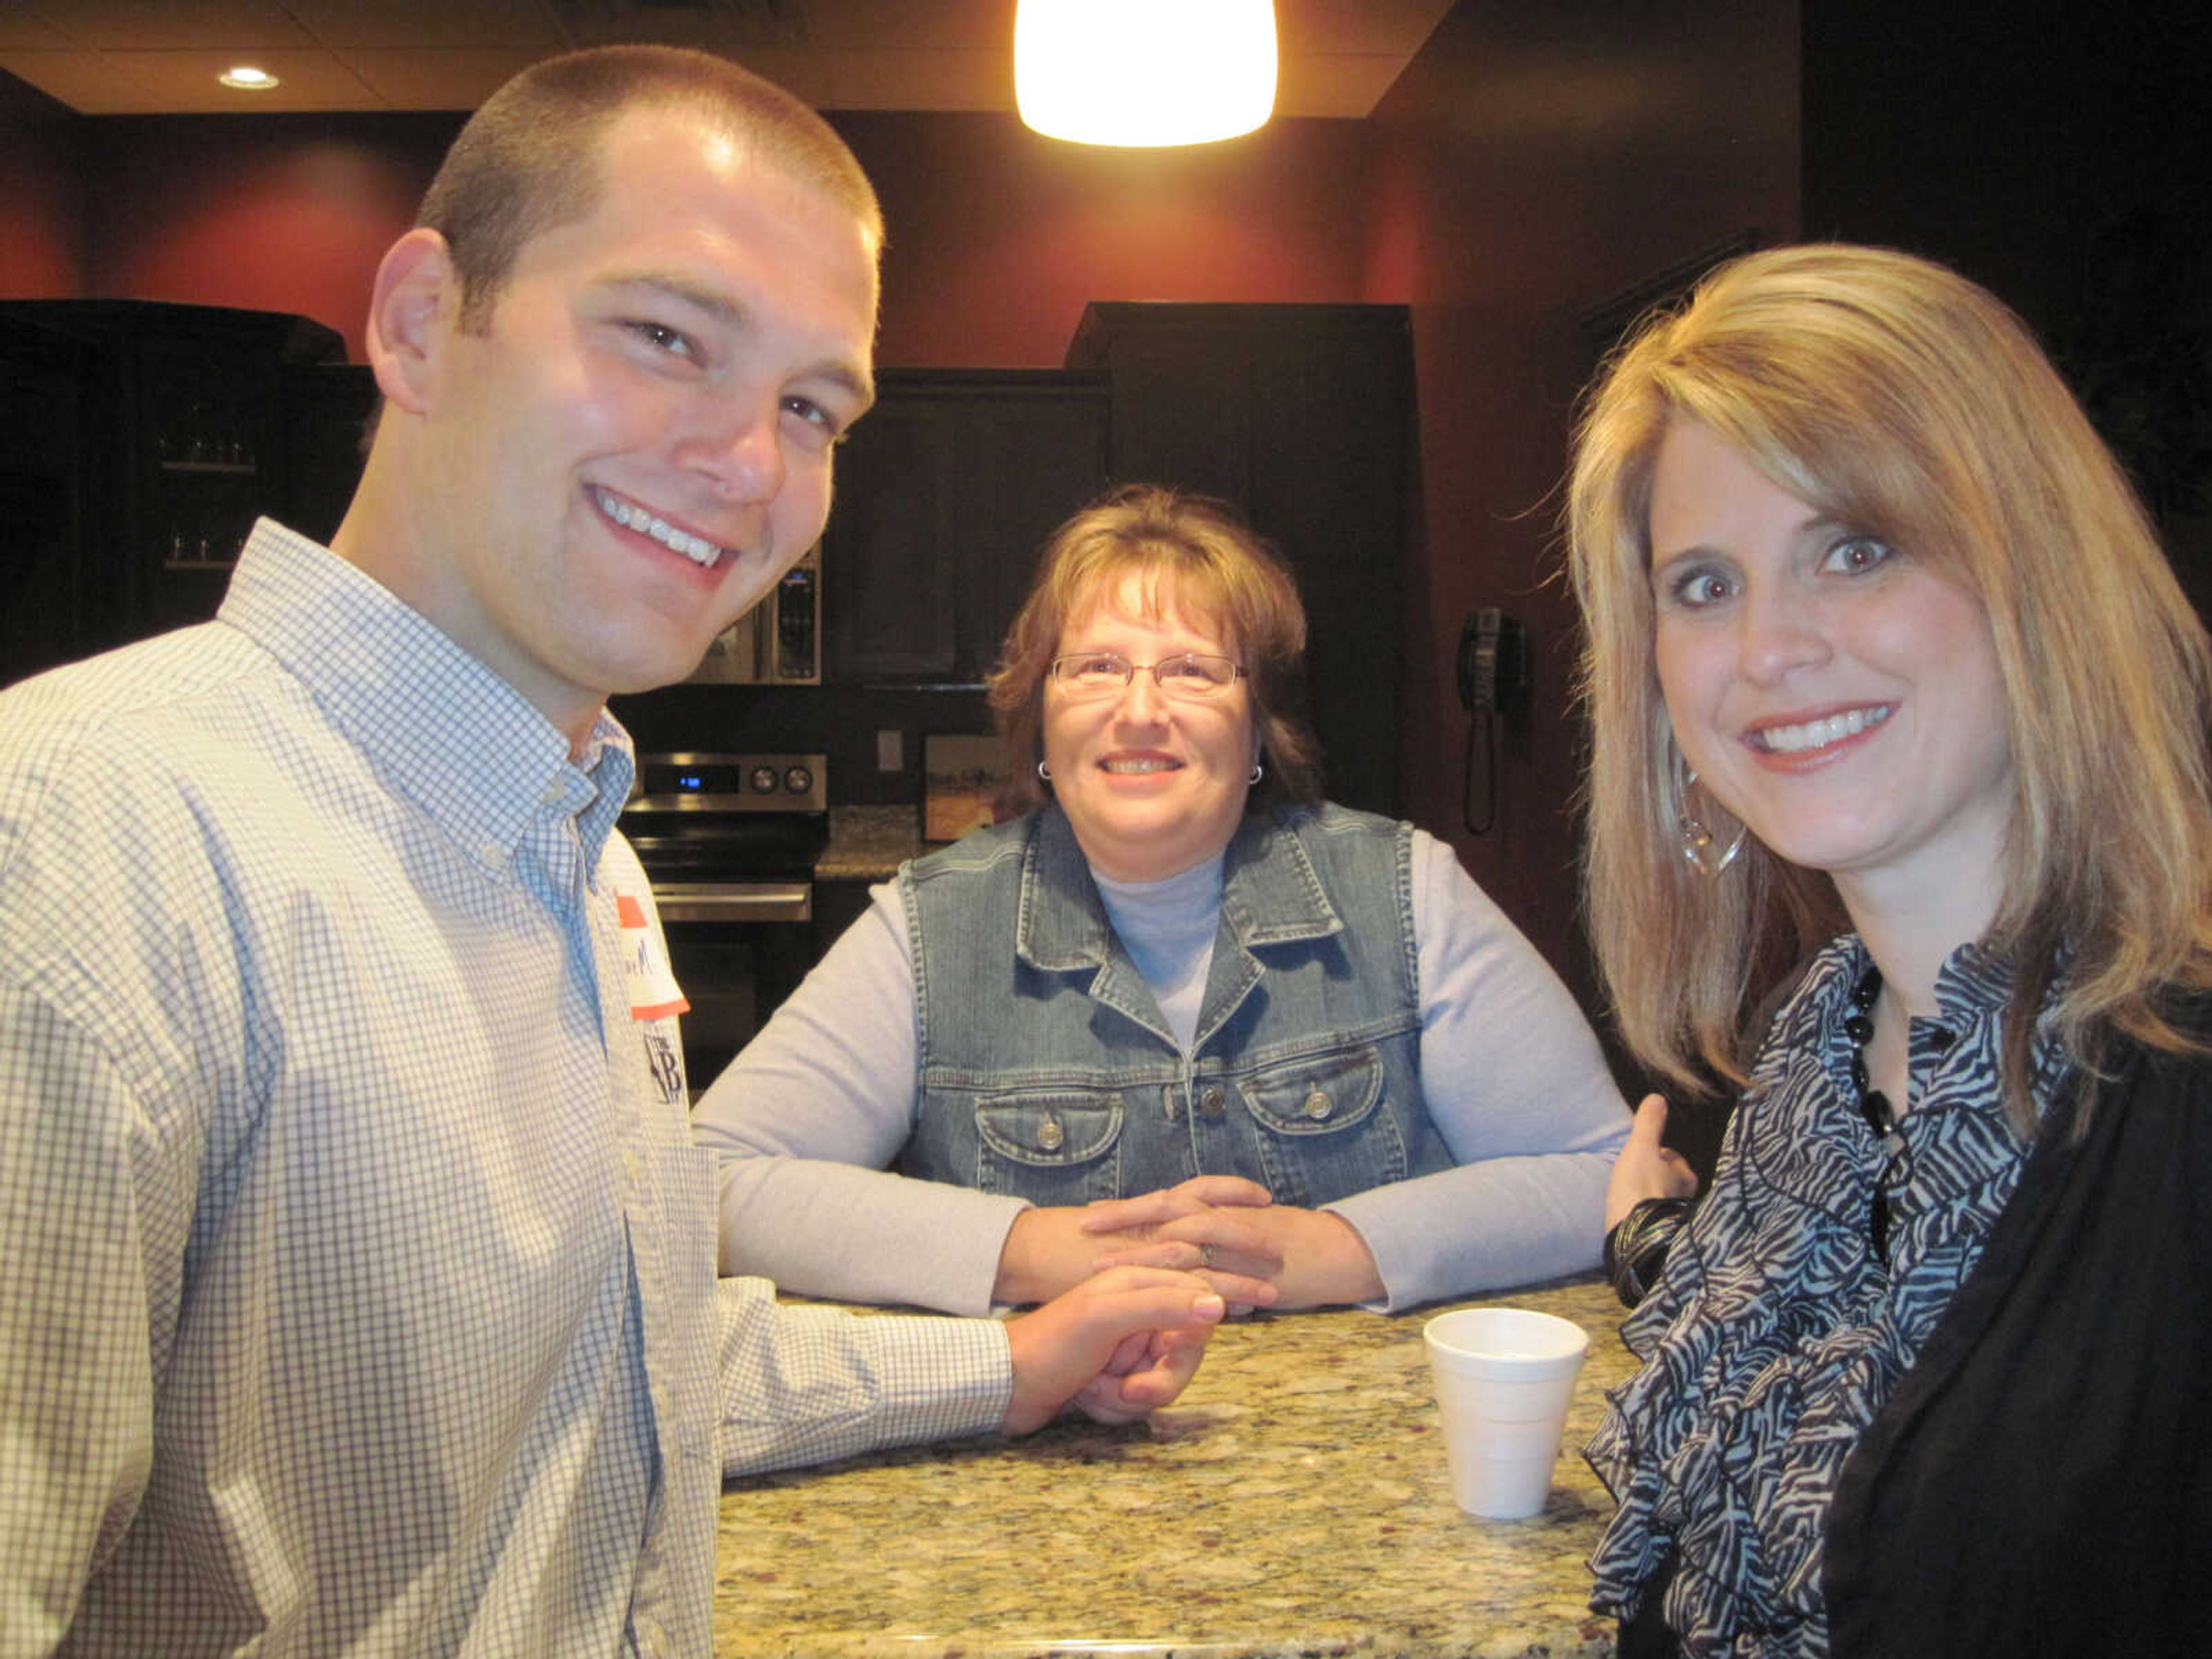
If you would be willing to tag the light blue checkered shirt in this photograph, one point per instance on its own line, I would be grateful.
(359, 1268)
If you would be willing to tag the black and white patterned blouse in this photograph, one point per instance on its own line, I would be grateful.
(1777, 1331)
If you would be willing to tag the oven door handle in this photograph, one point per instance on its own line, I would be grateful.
(734, 901)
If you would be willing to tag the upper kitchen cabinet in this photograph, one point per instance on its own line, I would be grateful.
(50, 425)
(171, 436)
(1301, 415)
(945, 494)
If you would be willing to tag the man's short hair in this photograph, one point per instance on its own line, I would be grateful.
(529, 159)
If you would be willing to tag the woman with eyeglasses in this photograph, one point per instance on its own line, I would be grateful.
(1897, 708)
(1180, 1011)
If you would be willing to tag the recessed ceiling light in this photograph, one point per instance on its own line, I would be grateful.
(246, 78)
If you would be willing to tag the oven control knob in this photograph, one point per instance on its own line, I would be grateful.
(762, 778)
(797, 779)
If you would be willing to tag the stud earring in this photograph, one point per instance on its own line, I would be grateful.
(1699, 845)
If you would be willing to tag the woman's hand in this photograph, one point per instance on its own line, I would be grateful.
(1050, 1250)
(1646, 1168)
(1224, 1230)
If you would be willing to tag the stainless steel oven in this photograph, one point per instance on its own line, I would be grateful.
(729, 842)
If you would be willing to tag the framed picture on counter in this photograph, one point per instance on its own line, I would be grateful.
(960, 778)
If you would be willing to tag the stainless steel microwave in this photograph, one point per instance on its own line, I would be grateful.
(779, 640)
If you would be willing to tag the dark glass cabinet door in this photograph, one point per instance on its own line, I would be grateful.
(945, 494)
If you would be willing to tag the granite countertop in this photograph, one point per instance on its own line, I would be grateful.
(869, 843)
(1293, 1502)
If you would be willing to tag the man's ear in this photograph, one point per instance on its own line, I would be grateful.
(414, 306)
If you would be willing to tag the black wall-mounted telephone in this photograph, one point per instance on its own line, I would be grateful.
(1493, 687)
(1493, 663)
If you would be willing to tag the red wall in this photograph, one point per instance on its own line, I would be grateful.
(1532, 163)
(269, 213)
(998, 237)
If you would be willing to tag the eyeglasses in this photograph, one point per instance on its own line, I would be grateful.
(1191, 676)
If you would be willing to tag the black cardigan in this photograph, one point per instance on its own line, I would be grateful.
(2041, 1482)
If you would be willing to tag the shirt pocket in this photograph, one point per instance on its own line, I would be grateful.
(1050, 1146)
(1322, 1130)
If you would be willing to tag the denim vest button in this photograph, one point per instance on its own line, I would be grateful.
(1050, 1135)
(1317, 1106)
(1212, 1102)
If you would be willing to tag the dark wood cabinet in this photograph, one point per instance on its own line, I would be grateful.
(945, 494)
(52, 609)
(174, 431)
(1301, 417)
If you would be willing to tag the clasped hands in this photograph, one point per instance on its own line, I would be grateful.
(1226, 1230)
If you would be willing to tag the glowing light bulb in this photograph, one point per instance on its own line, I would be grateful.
(1145, 72)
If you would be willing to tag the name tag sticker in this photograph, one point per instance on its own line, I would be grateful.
(653, 992)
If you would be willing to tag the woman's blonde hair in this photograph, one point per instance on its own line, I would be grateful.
(1899, 398)
(1193, 553)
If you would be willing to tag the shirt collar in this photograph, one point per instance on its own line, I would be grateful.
(1974, 985)
(1270, 894)
(441, 728)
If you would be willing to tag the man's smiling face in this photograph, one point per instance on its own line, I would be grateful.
(639, 443)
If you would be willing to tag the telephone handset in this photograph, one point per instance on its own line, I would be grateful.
(1493, 686)
(1493, 663)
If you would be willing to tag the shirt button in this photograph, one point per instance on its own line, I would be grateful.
(1318, 1106)
(1050, 1135)
(1212, 1102)
(634, 1168)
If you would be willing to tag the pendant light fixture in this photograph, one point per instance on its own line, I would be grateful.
(1145, 72)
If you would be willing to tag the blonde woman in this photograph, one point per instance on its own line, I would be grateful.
(1899, 709)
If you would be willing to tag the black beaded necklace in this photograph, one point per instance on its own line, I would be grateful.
(1874, 1108)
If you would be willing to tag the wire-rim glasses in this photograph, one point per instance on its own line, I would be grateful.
(1191, 675)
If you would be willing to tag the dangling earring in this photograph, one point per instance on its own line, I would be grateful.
(1699, 845)
(1258, 772)
(1044, 773)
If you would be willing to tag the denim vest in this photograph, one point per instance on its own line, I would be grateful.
(1046, 1070)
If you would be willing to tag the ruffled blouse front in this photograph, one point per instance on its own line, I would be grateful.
(1777, 1331)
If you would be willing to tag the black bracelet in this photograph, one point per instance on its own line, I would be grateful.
(1636, 1251)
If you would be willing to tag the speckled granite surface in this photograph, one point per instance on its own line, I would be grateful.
(869, 843)
(1293, 1501)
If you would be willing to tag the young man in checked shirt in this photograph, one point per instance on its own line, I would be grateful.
(361, 1290)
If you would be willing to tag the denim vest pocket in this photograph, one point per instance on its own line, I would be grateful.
(1049, 1146)
(1321, 1135)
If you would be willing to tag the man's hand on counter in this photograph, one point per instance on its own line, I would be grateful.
(1117, 1347)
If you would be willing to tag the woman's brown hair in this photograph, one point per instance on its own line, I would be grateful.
(1193, 553)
